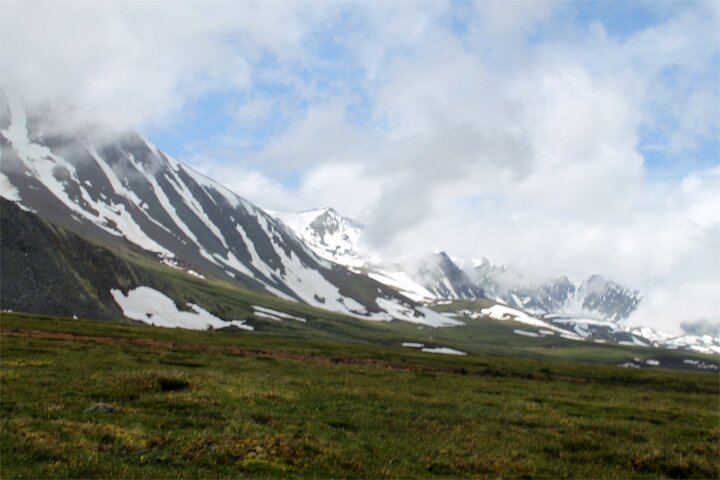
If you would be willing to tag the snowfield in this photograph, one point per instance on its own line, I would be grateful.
(153, 307)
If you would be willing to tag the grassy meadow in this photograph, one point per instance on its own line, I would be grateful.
(218, 404)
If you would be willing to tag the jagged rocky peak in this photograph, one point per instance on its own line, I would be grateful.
(328, 234)
(595, 296)
(606, 297)
(5, 114)
(329, 223)
(439, 274)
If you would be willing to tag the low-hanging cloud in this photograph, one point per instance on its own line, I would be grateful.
(701, 327)
(139, 63)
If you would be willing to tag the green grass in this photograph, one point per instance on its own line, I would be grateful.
(224, 404)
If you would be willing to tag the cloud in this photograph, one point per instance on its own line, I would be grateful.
(134, 63)
(542, 165)
(701, 327)
(524, 133)
(512, 19)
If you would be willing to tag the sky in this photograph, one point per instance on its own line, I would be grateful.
(561, 137)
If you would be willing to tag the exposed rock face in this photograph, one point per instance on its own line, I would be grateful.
(46, 269)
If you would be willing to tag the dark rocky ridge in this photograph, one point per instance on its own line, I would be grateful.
(49, 270)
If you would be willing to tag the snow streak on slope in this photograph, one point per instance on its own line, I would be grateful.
(275, 315)
(502, 312)
(425, 317)
(53, 172)
(7, 190)
(403, 283)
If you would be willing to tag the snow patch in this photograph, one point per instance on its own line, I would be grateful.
(8, 190)
(402, 282)
(280, 315)
(526, 333)
(421, 315)
(502, 312)
(569, 336)
(445, 350)
(153, 307)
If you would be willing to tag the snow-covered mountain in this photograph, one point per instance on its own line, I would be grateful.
(445, 279)
(121, 188)
(438, 276)
(579, 328)
(338, 239)
(590, 310)
(595, 295)
(330, 235)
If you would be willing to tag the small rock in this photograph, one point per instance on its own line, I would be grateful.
(100, 407)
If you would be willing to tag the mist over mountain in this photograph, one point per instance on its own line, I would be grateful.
(438, 276)
(701, 327)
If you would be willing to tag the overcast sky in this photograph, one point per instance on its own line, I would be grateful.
(562, 137)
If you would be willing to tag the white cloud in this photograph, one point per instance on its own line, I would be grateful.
(478, 140)
(540, 165)
(512, 19)
(131, 63)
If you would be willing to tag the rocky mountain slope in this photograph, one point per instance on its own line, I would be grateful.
(47, 269)
(118, 187)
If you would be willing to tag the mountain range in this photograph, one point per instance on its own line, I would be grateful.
(438, 276)
(117, 188)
